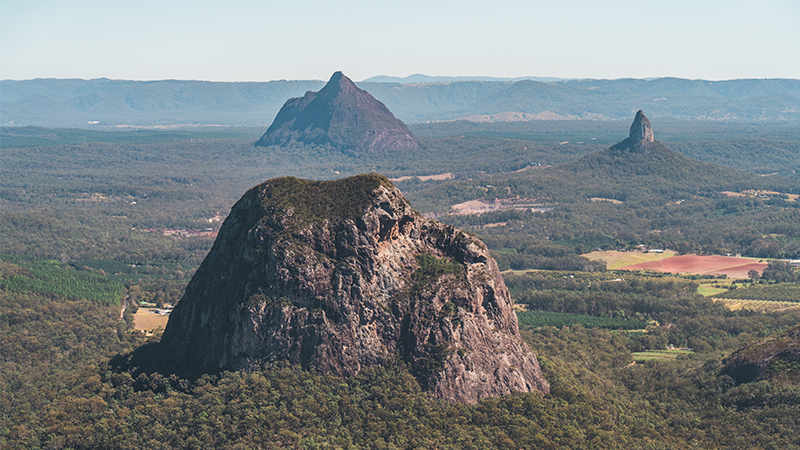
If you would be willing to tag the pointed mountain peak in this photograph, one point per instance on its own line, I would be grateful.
(641, 129)
(340, 81)
(338, 78)
(340, 115)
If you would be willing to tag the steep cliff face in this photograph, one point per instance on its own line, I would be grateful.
(641, 138)
(641, 130)
(340, 115)
(343, 274)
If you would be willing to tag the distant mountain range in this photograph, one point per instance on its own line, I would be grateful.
(420, 78)
(112, 103)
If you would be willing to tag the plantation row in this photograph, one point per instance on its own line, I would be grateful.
(52, 278)
(781, 292)
(535, 319)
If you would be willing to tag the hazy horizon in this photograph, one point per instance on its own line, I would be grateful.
(245, 40)
(370, 79)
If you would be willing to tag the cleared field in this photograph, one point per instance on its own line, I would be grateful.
(145, 319)
(735, 304)
(708, 288)
(619, 260)
(438, 177)
(708, 291)
(758, 192)
(659, 355)
(601, 199)
(733, 267)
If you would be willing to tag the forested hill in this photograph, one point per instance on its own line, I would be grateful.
(636, 191)
(627, 174)
(76, 103)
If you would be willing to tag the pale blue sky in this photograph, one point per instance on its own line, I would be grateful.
(244, 40)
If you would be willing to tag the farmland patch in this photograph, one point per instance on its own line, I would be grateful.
(733, 267)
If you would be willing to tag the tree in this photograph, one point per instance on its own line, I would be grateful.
(781, 271)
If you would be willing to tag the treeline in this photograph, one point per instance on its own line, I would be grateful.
(62, 388)
(685, 318)
(781, 272)
(783, 292)
(520, 252)
(672, 213)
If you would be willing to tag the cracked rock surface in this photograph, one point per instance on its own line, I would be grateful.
(339, 275)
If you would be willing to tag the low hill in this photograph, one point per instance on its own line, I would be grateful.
(638, 191)
(641, 163)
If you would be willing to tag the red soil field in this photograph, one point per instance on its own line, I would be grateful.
(703, 265)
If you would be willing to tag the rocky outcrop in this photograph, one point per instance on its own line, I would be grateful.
(751, 363)
(641, 129)
(342, 116)
(339, 275)
(641, 138)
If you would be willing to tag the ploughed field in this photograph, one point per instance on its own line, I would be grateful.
(619, 260)
(733, 267)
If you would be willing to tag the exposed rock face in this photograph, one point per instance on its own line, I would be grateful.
(340, 115)
(751, 363)
(641, 138)
(641, 129)
(338, 275)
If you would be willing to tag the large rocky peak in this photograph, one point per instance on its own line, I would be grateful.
(641, 138)
(342, 116)
(641, 129)
(339, 275)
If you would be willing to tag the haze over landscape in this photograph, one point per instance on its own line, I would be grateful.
(246, 40)
(529, 225)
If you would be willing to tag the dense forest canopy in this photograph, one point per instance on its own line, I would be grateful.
(124, 217)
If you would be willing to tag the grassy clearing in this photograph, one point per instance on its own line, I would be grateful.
(709, 288)
(659, 355)
(617, 260)
(147, 320)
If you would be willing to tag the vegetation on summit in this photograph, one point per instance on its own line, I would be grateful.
(319, 200)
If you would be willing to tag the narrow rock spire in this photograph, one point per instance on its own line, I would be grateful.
(641, 129)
